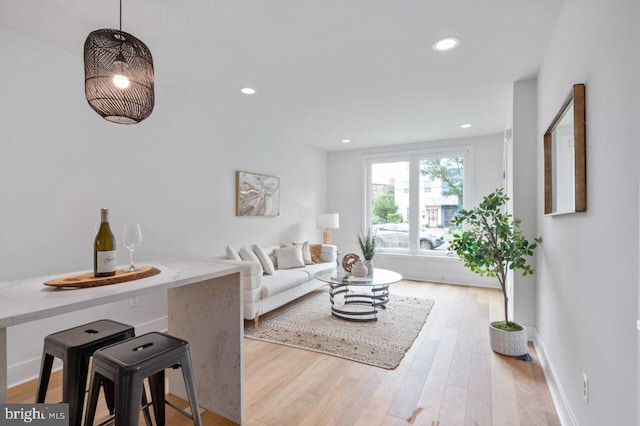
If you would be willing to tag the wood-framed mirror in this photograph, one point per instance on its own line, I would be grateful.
(565, 174)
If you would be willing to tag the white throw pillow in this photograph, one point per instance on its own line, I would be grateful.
(266, 262)
(233, 253)
(289, 257)
(306, 252)
(273, 258)
(247, 254)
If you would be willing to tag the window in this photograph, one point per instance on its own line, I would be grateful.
(430, 186)
(393, 178)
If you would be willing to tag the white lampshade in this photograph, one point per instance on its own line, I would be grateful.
(329, 221)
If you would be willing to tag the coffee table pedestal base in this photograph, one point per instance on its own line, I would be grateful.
(358, 305)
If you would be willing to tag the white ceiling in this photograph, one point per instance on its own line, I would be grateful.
(324, 70)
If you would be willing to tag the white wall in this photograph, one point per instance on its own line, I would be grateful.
(587, 275)
(523, 198)
(346, 196)
(174, 173)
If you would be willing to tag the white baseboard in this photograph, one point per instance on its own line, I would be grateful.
(565, 414)
(28, 370)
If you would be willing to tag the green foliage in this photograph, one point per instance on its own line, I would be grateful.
(507, 326)
(395, 218)
(377, 219)
(492, 243)
(384, 205)
(451, 231)
(449, 170)
(367, 242)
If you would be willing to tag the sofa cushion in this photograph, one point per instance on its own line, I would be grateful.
(233, 253)
(328, 253)
(314, 249)
(247, 254)
(312, 270)
(266, 262)
(280, 281)
(289, 257)
(306, 252)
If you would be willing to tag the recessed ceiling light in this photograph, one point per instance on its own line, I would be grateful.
(248, 90)
(444, 44)
(346, 140)
(465, 126)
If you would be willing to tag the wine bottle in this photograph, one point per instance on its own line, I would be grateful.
(104, 248)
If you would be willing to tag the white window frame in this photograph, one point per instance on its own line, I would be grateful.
(414, 157)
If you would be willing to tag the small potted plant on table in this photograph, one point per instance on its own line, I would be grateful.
(367, 243)
(491, 245)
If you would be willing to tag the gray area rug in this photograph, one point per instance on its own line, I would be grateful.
(310, 325)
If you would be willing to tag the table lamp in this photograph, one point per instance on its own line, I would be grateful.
(328, 221)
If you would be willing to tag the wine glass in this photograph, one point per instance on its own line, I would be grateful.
(132, 238)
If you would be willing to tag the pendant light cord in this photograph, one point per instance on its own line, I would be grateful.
(120, 15)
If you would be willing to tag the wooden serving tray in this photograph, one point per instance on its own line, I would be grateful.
(88, 280)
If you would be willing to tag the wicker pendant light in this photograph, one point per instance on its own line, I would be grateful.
(118, 75)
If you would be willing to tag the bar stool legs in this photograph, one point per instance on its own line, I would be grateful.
(156, 385)
(45, 375)
(127, 364)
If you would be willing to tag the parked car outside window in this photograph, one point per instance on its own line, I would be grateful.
(396, 235)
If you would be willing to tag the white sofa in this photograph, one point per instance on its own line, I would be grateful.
(263, 293)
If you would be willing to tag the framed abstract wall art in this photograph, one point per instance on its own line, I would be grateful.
(257, 195)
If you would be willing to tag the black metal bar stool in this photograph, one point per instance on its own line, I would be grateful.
(125, 366)
(75, 347)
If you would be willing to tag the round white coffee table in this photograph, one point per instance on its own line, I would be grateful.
(358, 299)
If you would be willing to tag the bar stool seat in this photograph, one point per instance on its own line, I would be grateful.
(127, 364)
(75, 347)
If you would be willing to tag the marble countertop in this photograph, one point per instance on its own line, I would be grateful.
(29, 299)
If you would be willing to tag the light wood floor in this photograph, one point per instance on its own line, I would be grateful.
(449, 377)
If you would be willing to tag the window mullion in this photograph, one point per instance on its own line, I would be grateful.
(414, 203)
(368, 196)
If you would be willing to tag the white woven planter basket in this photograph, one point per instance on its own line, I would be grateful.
(511, 343)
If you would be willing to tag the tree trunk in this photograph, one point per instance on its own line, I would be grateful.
(502, 279)
(506, 308)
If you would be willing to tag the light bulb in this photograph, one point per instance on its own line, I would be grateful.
(445, 44)
(120, 81)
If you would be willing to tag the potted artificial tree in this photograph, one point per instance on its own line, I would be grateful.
(491, 245)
